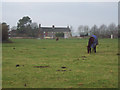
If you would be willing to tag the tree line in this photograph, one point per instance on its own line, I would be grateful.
(25, 27)
(103, 31)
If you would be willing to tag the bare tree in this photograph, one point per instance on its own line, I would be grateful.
(0, 32)
(111, 28)
(34, 25)
(86, 29)
(72, 30)
(103, 31)
(115, 32)
(94, 30)
(118, 31)
(81, 30)
(14, 28)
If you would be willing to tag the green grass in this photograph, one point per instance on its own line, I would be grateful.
(98, 70)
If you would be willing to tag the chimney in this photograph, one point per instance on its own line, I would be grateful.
(67, 26)
(39, 25)
(39, 33)
(53, 26)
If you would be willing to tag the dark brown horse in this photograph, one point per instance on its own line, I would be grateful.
(92, 44)
(57, 39)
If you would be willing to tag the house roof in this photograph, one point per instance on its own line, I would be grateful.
(55, 29)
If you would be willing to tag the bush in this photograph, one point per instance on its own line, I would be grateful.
(5, 29)
(59, 34)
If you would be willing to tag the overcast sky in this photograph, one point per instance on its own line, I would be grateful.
(61, 13)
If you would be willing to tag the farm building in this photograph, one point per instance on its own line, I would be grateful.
(52, 32)
(44, 32)
(12, 33)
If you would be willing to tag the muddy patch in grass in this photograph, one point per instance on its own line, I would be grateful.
(43, 48)
(118, 54)
(41, 66)
(14, 48)
(25, 85)
(17, 65)
(80, 58)
(63, 68)
(108, 46)
(84, 57)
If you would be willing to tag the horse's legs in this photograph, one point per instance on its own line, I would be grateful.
(90, 49)
(95, 49)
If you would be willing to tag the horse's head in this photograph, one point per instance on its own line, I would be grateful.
(90, 42)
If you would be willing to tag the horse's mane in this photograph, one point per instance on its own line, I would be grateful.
(91, 40)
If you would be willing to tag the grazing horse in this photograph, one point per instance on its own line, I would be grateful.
(92, 43)
(57, 39)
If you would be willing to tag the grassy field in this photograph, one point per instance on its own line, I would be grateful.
(63, 64)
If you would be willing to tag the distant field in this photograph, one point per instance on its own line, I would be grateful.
(62, 64)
